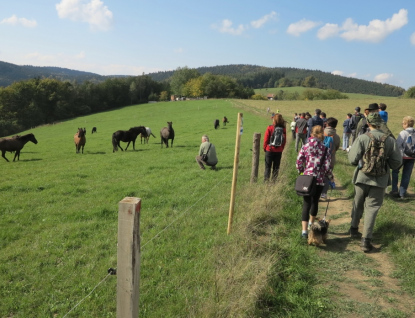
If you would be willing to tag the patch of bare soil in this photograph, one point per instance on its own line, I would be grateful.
(363, 282)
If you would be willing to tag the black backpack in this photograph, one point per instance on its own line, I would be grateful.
(277, 137)
(355, 120)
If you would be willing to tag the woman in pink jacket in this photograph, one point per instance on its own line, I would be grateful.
(273, 153)
(314, 159)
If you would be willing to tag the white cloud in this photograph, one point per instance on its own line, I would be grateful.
(352, 75)
(413, 38)
(226, 27)
(94, 12)
(374, 32)
(14, 20)
(328, 30)
(301, 26)
(260, 22)
(337, 72)
(382, 78)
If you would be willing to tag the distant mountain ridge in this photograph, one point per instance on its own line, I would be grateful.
(249, 75)
(10, 73)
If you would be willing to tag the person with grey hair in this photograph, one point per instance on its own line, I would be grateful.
(207, 154)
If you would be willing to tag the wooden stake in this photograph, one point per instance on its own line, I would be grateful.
(128, 258)
(239, 129)
(255, 157)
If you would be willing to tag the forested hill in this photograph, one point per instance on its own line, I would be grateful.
(264, 77)
(252, 76)
(10, 73)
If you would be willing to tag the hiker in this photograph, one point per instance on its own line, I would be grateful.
(314, 121)
(207, 148)
(300, 131)
(323, 117)
(346, 132)
(405, 143)
(373, 160)
(362, 126)
(382, 112)
(292, 127)
(314, 159)
(274, 147)
(332, 141)
(356, 117)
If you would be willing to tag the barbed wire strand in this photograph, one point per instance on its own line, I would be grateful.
(109, 274)
(154, 237)
(180, 215)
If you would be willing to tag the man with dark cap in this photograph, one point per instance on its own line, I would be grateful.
(314, 121)
(362, 126)
(370, 184)
(356, 117)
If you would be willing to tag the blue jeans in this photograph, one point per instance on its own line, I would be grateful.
(408, 165)
(346, 137)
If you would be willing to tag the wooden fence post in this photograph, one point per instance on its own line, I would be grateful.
(239, 129)
(128, 257)
(255, 157)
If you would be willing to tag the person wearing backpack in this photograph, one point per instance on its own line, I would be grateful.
(406, 145)
(332, 142)
(274, 142)
(374, 153)
(314, 121)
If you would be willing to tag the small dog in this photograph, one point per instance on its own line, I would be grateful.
(318, 232)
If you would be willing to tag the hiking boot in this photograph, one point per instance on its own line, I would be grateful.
(394, 194)
(304, 236)
(323, 196)
(354, 232)
(366, 245)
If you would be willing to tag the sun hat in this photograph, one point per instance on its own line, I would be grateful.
(373, 106)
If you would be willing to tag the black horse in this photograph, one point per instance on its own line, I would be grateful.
(126, 136)
(94, 130)
(15, 143)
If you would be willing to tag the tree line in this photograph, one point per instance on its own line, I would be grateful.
(30, 103)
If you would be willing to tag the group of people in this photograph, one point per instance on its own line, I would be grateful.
(373, 149)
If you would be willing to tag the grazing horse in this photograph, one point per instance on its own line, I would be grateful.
(216, 123)
(94, 130)
(15, 143)
(80, 140)
(126, 136)
(225, 121)
(167, 133)
(147, 135)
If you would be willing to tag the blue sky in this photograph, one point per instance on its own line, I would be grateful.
(371, 40)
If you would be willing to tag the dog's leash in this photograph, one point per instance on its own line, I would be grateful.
(327, 207)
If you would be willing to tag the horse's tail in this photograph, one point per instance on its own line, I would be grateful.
(114, 143)
(153, 135)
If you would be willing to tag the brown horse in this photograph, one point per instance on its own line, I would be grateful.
(167, 133)
(126, 136)
(80, 140)
(15, 143)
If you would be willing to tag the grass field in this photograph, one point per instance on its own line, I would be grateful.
(300, 90)
(58, 218)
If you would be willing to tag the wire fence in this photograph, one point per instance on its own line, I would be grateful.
(111, 271)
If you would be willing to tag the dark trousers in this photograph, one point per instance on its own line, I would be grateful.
(272, 161)
(310, 204)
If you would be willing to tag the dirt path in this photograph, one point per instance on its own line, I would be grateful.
(363, 283)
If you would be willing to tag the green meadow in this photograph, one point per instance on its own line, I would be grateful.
(58, 218)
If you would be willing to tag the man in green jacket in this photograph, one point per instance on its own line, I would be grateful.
(207, 148)
(370, 189)
(373, 108)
